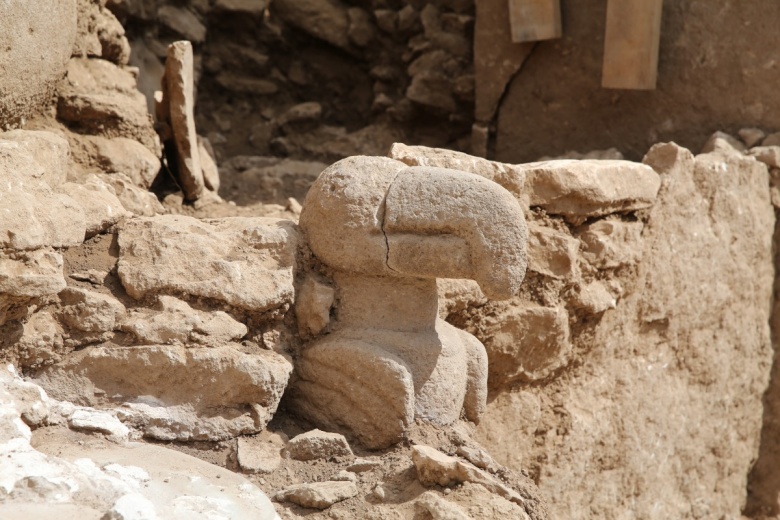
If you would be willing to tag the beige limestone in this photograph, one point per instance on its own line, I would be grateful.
(90, 311)
(313, 303)
(135, 200)
(259, 454)
(608, 244)
(49, 151)
(102, 209)
(589, 188)
(36, 41)
(526, 343)
(318, 495)
(244, 262)
(172, 321)
(199, 393)
(179, 94)
(127, 156)
(552, 253)
(317, 444)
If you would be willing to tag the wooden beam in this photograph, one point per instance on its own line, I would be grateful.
(631, 44)
(534, 20)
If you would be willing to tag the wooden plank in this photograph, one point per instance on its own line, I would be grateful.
(631, 44)
(534, 20)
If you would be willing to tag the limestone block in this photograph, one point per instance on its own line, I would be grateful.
(127, 156)
(318, 495)
(48, 150)
(252, 7)
(183, 21)
(594, 298)
(245, 262)
(134, 199)
(172, 321)
(608, 244)
(90, 311)
(552, 253)
(200, 393)
(104, 99)
(323, 19)
(590, 188)
(438, 508)
(769, 155)
(526, 343)
(33, 216)
(721, 142)
(96, 420)
(36, 41)
(179, 106)
(317, 444)
(31, 275)
(102, 208)
(259, 454)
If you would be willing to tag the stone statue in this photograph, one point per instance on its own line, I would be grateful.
(388, 231)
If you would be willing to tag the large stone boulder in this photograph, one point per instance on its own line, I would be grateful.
(36, 41)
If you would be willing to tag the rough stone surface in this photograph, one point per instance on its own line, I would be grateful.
(317, 444)
(127, 156)
(90, 311)
(137, 201)
(591, 188)
(526, 343)
(260, 454)
(102, 99)
(552, 253)
(607, 244)
(439, 509)
(179, 112)
(102, 209)
(245, 262)
(36, 40)
(674, 373)
(49, 151)
(172, 321)
(103, 422)
(318, 495)
(210, 393)
(323, 19)
(721, 142)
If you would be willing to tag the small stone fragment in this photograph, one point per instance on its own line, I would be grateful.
(436, 468)
(771, 140)
(137, 201)
(323, 19)
(183, 21)
(479, 457)
(259, 454)
(102, 209)
(250, 7)
(122, 155)
(132, 506)
(33, 274)
(96, 420)
(438, 508)
(769, 155)
(364, 464)
(90, 311)
(594, 298)
(526, 343)
(317, 444)
(609, 244)
(751, 136)
(723, 143)
(318, 495)
(313, 305)
(551, 253)
(361, 30)
(208, 165)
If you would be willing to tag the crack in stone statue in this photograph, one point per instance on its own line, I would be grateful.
(388, 231)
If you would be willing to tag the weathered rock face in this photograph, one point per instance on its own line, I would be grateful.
(243, 262)
(175, 392)
(36, 41)
(675, 372)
